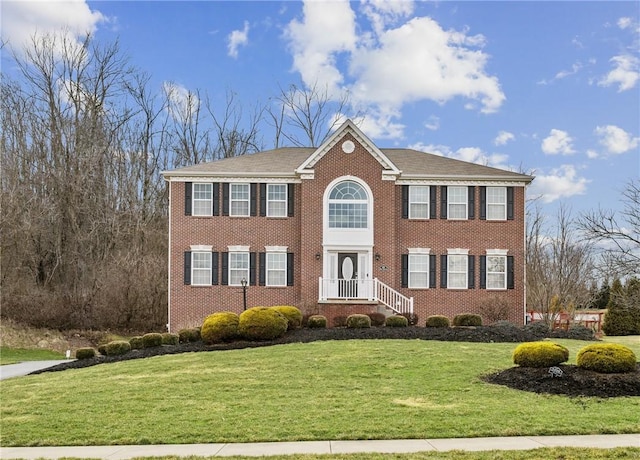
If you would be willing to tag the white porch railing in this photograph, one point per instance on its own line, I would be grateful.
(369, 289)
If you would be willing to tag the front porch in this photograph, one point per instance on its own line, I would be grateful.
(363, 291)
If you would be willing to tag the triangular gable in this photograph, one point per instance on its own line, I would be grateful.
(348, 127)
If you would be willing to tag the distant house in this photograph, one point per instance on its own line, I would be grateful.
(345, 228)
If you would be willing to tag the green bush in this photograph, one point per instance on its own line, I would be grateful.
(358, 321)
(85, 353)
(152, 339)
(437, 321)
(540, 354)
(467, 319)
(102, 349)
(580, 332)
(316, 322)
(539, 329)
(396, 321)
(117, 347)
(262, 323)
(219, 327)
(293, 315)
(339, 321)
(411, 317)
(170, 339)
(607, 358)
(377, 319)
(191, 334)
(136, 343)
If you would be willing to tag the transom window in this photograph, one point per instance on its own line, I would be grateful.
(276, 269)
(238, 267)
(239, 200)
(457, 271)
(348, 206)
(277, 200)
(418, 270)
(496, 203)
(202, 199)
(201, 268)
(457, 198)
(418, 202)
(496, 272)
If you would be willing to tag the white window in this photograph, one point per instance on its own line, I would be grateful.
(201, 268)
(202, 199)
(348, 205)
(239, 200)
(418, 270)
(496, 203)
(457, 198)
(496, 269)
(418, 202)
(276, 200)
(238, 268)
(457, 271)
(276, 269)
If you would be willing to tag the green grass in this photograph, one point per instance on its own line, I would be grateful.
(368, 389)
(17, 355)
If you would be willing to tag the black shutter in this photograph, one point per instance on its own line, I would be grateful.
(187, 198)
(483, 203)
(263, 200)
(253, 199)
(290, 199)
(483, 272)
(443, 202)
(405, 202)
(510, 273)
(216, 199)
(509, 203)
(404, 282)
(187, 267)
(471, 271)
(225, 269)
(443, 271)
(214, 268)
(290, 268)
(432, 270)
(252, 268)
(471, 214)
(262, 268)
(225, 199)
(432, 202)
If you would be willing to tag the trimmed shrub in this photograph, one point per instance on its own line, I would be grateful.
(85, 353)
(396, 321)
(580, 332)
(136, 343)
(316, 322)
(191, 334)
(539, 329)
(262, 323)
(102, 349)
(339, 321)
(412, 318)
(170, 339)
(293, 315)
(467, 319)
(117, 347)
(152, 339)
(437, 321)
(358, 321)
(540, 354)
(377, 319)
(219, 327)
(607, 358)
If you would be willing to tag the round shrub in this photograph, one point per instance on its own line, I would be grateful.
(102, 349)
(293, 315)
(607, 358)
(136, 343)
(152, 339)
(396, 321)
(170, 339)
(85, 353)
(317, 322)
(191, 334)
(377, 319)
(262, 323)
(540, 354)
(437, 321)
(358, 321)
(539, 329)
(117, 347)
(467, 319)
(219, 327)
(580, 332)
(411, 317)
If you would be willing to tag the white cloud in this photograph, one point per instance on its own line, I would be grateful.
(21, 21)
(503, 137)
(433, 123)
(625, 74)
(382, 13)
(625, 22)
(236, 39)
(558, 142)
(562, 182)
(469, 154)
(592, 154)
(616, 140)
(182, 102)
(575, 68)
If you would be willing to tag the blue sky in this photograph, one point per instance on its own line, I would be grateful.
(550, 88)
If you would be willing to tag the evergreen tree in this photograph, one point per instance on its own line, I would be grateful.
(619, 318)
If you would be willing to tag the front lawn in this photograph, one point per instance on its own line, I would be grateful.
(17, 355)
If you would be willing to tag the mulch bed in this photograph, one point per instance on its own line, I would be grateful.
(573, 382)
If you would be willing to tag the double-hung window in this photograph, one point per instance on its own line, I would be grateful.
(239, 200)
(202, 199)
(457, 202)
(496, 203)
(276, 263)
(276, 200)
(418, 202)
(457, 269)
(201, 268)
(238, 268)
(419, 270)
(496, 269)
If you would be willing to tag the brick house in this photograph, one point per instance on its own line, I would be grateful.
(345, 228)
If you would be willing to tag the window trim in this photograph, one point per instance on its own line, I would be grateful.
(465, 202)
(454, 253)
(426, 203)
(201, 252)
(285, 201)
(200, 200)
(283, 270)
(418, 253)
(243, 200)
(233, 252)
(502, 253)
(363, 202)
(503, 203)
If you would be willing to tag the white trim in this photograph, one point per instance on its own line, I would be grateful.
(240, 178)
(169, 277)
(497, 252)
(458, 252)
(269, 203)
(464, 202)
(283, 270)
(462, 180)
(201, 248)
(504, 273)
(242, 200)
(238, 248)
(200, 269)
(419, 250)
(424, 203)
(275, 248)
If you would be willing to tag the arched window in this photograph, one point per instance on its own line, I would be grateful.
(348, 206)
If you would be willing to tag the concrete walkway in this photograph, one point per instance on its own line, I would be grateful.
(324, 447)
(24, 368)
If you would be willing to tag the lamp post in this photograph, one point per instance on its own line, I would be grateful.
(243, 282)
